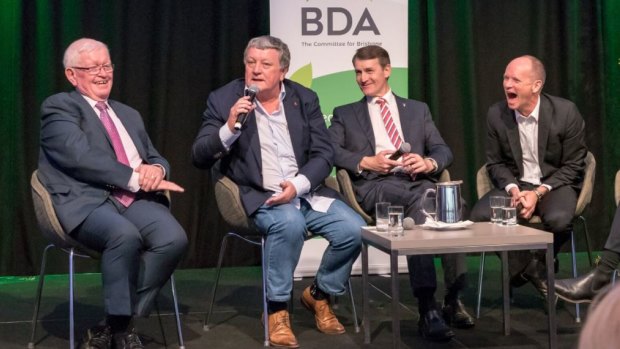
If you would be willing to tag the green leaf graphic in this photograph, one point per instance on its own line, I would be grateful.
(303, 75)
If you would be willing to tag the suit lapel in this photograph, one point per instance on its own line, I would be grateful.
(544, 125)
(512, 132)
(360, 110)
(295, 122)
(406, 123)
(91, 116)
(121, 112)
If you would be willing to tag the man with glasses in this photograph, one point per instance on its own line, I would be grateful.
(106, 180)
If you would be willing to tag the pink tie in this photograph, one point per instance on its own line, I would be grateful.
(390, 127)
(123, 196)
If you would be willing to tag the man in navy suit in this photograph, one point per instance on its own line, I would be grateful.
(279, 157)
(105, 179)
(536, 155)
(365, 134)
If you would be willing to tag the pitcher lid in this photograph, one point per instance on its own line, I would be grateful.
(450, 182)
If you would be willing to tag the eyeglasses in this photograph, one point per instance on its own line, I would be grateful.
(108, 68)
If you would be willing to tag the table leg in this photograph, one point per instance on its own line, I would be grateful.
(551, 298)
(395, 299)
(365, 301)
(505, 292)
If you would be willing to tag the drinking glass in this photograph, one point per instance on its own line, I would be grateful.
(395, 227)
(497, 205)
(509, 216)
(381, 216)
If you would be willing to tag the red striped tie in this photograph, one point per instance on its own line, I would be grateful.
(390, 126)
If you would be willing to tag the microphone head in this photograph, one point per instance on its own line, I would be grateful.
(252, 91)
(408, 223)
(405, 147)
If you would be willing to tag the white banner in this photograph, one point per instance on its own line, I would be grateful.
(323, 36)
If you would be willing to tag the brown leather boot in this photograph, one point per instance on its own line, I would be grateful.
(280, 333)
(325, 319)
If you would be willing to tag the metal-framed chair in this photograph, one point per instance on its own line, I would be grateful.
(484, 185)
(52, 230)
(230, 207)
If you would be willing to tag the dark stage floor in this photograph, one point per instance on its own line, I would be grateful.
(236, 324)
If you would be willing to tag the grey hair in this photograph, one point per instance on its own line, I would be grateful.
(266, 42)
(74, 50)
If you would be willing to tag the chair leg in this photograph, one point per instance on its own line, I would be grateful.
(176, 312)
(37, 302)
(264, 276)
(353, 309)
(574, 262)
(71, 299)
(480, 276)
(588, 242)
(218, 271)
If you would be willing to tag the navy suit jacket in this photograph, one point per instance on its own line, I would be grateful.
(561, 144)
(353, 138)
(243, 164)
(77, 163)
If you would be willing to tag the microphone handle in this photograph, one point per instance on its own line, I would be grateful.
(240, 121)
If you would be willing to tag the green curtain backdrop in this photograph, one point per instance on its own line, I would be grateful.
(170, 54)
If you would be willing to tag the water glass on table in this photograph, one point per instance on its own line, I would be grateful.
(497, 204)
(381, 216)
(509, 216)
(395, 227)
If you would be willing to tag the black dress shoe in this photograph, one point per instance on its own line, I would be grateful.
(455, 315)
(99, 337)
(583, 288)
(431, 326)
(535, 272)
(128, 340)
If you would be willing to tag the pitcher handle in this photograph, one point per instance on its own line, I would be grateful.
(424, 196)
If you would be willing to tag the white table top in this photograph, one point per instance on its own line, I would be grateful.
(478, 237)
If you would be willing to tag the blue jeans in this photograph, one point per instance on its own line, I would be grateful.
(286, 229)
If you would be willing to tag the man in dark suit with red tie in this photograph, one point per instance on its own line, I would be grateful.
(105, 179)
(365, 134)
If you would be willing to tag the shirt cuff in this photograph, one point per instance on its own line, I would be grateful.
(509, 187)
(163, 170)
(301, 184)
(227, 136)
(547, 186)
(134, 182)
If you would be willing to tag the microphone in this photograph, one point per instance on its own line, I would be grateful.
(251, 91)
(408, 223)
(404, 148)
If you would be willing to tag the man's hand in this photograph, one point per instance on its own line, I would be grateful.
(243, 105)
(288, 193)
(167, 185)
(150, 176)
(379, 163)
(414, 163)
(528, 201)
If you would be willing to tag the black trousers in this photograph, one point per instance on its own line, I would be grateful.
(556, 210)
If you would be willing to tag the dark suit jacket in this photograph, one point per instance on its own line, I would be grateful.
(243, 164)
(561, 144)
(352, 135)
(77, 163)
